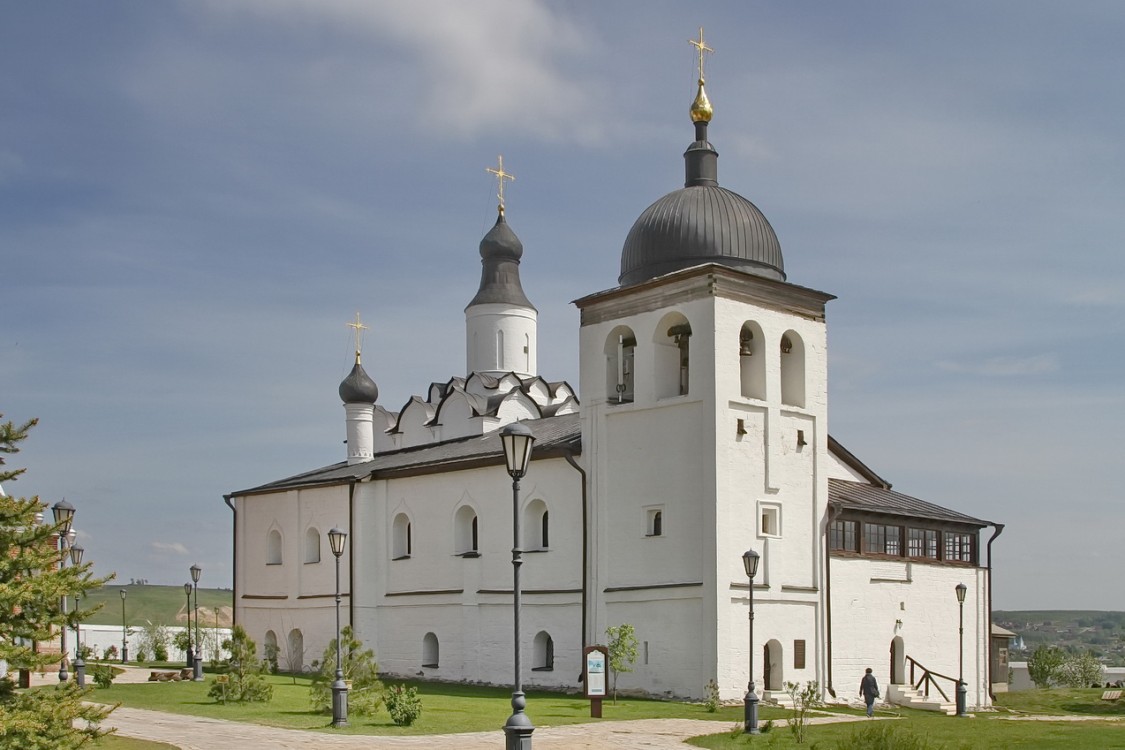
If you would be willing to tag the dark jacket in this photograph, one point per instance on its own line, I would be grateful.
(869, 687)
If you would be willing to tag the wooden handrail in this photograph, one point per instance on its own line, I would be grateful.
(927, 678)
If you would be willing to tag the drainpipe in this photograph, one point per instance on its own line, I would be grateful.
(351, 556)
(832, 512)
(988, 671)
(585, 543)
(234, 562)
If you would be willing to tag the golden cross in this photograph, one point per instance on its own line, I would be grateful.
(359, 328)
(702, 47)
(501, 175)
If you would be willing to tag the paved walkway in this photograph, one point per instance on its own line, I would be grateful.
(201, 733)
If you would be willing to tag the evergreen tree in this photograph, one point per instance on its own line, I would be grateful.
(366, 692)
(32, 582)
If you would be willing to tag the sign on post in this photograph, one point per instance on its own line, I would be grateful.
(594, 668)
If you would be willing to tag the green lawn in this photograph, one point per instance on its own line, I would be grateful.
(159, 604)
(924, 730)
(113, 742)
(446, 708)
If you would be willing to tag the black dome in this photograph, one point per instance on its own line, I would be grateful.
(500, 253)
(358, 387)
(700, 224)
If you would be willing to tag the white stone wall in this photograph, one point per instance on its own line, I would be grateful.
(485, 353)
(875, 602)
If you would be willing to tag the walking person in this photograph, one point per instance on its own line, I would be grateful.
(869, 689)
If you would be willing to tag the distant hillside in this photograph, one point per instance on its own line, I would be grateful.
(1075, 630)
(164, 605)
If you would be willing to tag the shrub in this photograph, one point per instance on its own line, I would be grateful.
(712, 700)
(883, 735)
(110, 653)
(103, 675)
(242, 683)
(154, 640)
(1080, 670)
(403, 704)
(804, 699)
(358, 666)
(141, 656)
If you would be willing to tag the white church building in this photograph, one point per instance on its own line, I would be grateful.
(702, 432)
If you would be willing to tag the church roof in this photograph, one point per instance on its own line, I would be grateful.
(556, 435)
(358, 387)
(700, 223)
(868, 498)
(500, 253)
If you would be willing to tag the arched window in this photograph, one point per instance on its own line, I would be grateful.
(295, 659)
(536, 526)
(466, 538)
(527, 352)
(269, 649)
(751, 361)
(499, 350)
(620, 347)
(792, 370)
(672, 356)
(273, 547)
(430, 651)
(312, 546)
(544, 656)
(655, 522)
(401, 543)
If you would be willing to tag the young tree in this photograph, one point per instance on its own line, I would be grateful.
(1043, 665)
(622, 651)
(243, 682)
(31, 584)
(359, 667)
(1080, 671)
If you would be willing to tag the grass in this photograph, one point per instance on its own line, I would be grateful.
(113, 742)
(926, 730)
(446, 708)
(159, 604)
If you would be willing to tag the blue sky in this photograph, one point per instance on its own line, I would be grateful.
(196, 197)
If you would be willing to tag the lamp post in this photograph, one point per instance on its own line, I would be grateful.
(197, 665)
(336, 539)
(64, 516)
(79, 662)
(517, 440)
(124, 631)
(187, 609)
(750, 560)
(961, 589)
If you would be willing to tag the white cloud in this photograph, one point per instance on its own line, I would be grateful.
(175, 547)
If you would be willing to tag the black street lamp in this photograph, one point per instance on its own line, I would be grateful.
(64, 516)
(79, 662)
(124, 631)
(187, 609)
(961, 589)
(517, 440)
(750, 560)
(336, 540)
(197, 666)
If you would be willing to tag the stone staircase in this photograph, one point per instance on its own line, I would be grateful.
(777, 698)
(905, 695)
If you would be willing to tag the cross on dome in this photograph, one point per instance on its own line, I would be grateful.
(702, 47)
(359, 329)
(501, 175)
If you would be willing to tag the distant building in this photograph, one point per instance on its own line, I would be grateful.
(701, 433)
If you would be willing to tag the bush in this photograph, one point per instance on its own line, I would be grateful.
(154, 640)
(1080, 670)
(884, 736)
(110, 654)
(804, 699)
(712, 700)
(242, 683)
(142, 656)
(403, 704)
(359, 667)
(102, 674)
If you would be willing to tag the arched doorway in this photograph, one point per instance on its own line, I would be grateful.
(773, 677)
(898, 661)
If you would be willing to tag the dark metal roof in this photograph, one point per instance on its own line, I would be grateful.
(700, 223)
(500, 253)
(358, 387)
(558, 433)
(866, 498)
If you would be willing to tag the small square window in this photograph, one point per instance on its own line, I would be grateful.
(769, 519)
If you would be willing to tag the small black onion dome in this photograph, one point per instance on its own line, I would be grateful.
(358, 387)
(500, 253)
(501, 242)
(696, 225)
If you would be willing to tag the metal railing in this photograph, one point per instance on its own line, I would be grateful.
(927, 679)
